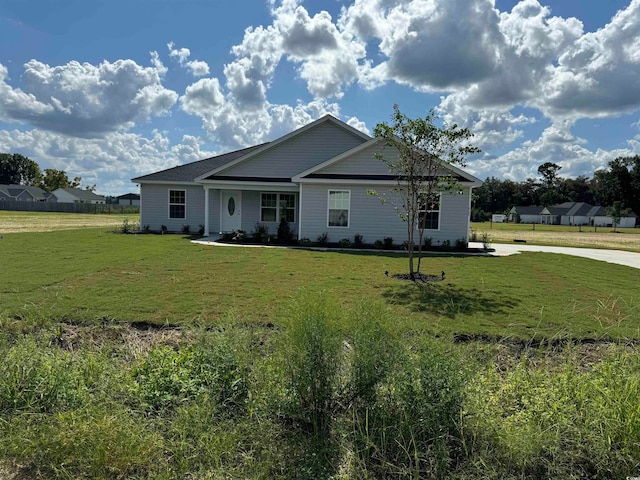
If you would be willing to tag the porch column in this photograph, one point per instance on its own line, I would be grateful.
(206, 211)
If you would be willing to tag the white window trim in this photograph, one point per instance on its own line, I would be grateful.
(439, 216)
(335, 190)
(169, 204)
(295, 201)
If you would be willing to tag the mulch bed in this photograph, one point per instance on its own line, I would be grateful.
(419, 277)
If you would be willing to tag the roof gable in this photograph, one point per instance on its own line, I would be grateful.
(360, 163)
(299, 150)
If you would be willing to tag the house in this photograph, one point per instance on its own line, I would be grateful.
(76, 195)
(317, 178)
(22, 193)
(568, 213)
(129, 199)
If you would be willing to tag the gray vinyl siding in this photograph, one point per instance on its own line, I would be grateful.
(363, 162)
(298, 153)
(154, 210)
(374, 220)
(251, 212)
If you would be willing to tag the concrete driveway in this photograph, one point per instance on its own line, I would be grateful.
(630, 259)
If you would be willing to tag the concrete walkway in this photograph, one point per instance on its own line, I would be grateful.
(630, 259)
(620, 257)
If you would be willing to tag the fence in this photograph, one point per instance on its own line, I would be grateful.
(19, 206)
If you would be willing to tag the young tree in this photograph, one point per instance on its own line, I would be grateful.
(424, 152)
(19, 170)
(616, 212)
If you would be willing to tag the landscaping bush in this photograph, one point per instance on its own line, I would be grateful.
(358, 240)
(388, 243)
(186, 229)
(344, 243)
(305, 242)
(322, 239)
(285, 235)
(461, 244)
(261, 233)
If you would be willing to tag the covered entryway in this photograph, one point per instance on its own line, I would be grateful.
(231, 203)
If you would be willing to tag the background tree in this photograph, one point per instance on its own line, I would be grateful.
(16, 169)
(616, 212)
(54, 179)
(619, 183)
(424, 150)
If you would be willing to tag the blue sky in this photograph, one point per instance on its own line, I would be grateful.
(109, 90)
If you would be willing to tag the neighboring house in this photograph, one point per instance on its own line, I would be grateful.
(22, 193)
(568, 213)
(129, 199)
(76, 195)
(316, 177)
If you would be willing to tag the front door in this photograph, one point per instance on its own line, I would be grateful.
(231, 203)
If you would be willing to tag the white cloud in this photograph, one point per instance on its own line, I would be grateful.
(598, 75)
(85, 100)
(198, 68)
(109, 162)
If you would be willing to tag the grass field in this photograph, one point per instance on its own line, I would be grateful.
(150, 357)
(561, 235)
(26, 222)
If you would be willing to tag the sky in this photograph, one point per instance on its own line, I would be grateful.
(113, 89)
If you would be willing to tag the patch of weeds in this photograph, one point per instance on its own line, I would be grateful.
(167, 377)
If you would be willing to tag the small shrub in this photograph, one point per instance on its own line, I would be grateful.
(201, 230)
(445, 245)
(163, 229)
(146, 229)
(305, 242)
(378, 244)
(344, 243)
(461, 244)
(285, 235)
(428, 243)
(388, 243)
(358, 240)
(261, 233)
(322, 239)
(126, 226)
(186, 229)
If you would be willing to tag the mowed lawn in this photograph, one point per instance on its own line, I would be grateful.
(91, 275)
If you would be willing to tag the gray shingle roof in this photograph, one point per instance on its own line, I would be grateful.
(15, 190)
(85, 195)
(189, 171)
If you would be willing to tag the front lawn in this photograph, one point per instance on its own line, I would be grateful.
(91, 275)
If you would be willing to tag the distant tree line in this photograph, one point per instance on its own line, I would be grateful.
(16, 169)
(616, 186)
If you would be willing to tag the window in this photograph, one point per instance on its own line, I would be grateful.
(275, 206)
(339, 204)
(429, 213)
(177, 204)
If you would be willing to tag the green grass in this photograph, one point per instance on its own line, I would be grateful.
(91, 275)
